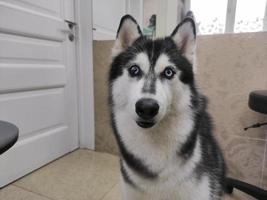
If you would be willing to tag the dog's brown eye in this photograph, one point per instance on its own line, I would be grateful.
(168, 73)
(134, 70)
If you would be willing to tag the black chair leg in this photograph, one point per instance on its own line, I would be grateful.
(249, 189)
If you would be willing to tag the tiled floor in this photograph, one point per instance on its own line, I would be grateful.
(81, 175)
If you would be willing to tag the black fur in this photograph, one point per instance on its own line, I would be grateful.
(212, 162)
(153, 48)
(131, 160)
(126, 176)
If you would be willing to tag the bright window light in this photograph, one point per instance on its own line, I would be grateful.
(249, 16)
(210, 15)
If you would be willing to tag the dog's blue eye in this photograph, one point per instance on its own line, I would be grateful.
(168, 73)
(134, 70)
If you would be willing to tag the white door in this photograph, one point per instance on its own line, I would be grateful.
(37, 83)
(107, 15)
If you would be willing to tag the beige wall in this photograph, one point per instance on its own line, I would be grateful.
(229, 67)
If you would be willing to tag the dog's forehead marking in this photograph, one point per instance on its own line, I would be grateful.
(162, 62)
(142, 61)
(149, 85)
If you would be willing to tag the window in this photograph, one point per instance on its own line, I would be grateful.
(249, 16)
(210, 15)
(220, 16)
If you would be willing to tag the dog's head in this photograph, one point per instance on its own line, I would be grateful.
(152, 79)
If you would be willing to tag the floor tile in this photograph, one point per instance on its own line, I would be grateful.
(81, 175)
(238, 195)
(264, 173)
(245, 159)
(15, 193)
(114, 194)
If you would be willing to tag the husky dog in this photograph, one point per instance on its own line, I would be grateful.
(159, 117)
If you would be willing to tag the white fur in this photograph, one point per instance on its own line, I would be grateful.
(162, 62)
(142, 61)
(157, 146)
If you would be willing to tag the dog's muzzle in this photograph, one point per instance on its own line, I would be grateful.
(146, 109)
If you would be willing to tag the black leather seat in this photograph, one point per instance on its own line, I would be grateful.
(8, 136)
(258, 101)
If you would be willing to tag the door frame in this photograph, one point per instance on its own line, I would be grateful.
(132, 7)
(85, 76)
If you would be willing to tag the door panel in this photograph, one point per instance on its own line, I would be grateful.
(21, 49)
(21, 21)
(107, 15)
(14, 164)
(49, 7)
(14, 77)
(38, 86)
(106, 18)
(34, 110)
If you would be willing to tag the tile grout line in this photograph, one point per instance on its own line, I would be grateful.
(250, 138)
(108, 191)
(263, 165)
(39, 194)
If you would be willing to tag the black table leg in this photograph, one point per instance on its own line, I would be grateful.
(249, 189)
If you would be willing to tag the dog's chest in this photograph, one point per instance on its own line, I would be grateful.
(156, 147)
(190, 189)
(176, 181)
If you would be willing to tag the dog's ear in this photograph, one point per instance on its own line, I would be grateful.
(184, 35)
(128, 32)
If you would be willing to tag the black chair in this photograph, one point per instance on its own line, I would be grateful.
(258, 103)
(8, 136)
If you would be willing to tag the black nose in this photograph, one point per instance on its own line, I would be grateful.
(147, 108)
